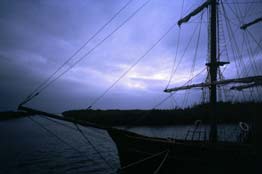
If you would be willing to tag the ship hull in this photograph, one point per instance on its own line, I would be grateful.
(142, 154)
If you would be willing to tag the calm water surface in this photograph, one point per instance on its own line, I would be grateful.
(27, 148)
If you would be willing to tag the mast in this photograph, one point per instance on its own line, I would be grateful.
(213, 70)
(214, 64)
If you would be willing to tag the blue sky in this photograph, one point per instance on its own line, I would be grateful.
(38, 36)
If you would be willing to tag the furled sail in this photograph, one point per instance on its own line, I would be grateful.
(245, 26)
(194, 12)
(255, 80)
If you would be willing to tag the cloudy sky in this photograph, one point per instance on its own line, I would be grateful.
(37, 37)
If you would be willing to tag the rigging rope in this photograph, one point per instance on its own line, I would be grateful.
(225, 44)
(53, 134)
(222, 52)
(241, 17)
(58, 138)
(143, 160)
(251, 55)
(79, 49)
(194, 60)
(234, 43)
(258, 43)
(187, 46)
(162, 162)
(133, 65)
(144, 115)
(72, 128)
(244, 3)
(253, 63)
(177, 47)
(238, 51)
(161, 102)
(245, 42)
(93, 146)
(49, 82)
(58, 122)
(72, 147)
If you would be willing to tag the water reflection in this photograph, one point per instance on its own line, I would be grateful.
(27, 148)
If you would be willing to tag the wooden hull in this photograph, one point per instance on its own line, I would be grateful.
(141, 154)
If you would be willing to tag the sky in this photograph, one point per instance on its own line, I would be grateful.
(37, 37)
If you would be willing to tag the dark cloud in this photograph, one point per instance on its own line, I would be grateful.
(36, 37)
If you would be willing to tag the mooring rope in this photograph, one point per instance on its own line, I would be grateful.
(162, 162)
(93, 146)
(143, 160)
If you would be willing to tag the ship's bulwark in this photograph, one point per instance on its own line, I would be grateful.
(141, 154)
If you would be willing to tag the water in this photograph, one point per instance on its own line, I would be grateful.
(226, 132)
(27, 148)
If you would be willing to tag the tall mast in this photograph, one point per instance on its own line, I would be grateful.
(213, 52)
(214, 63)
(213, 69)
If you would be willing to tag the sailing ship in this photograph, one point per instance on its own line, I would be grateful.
(146, 154)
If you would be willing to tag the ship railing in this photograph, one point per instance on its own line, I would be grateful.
(196, 135)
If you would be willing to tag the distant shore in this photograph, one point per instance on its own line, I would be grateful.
(8, 115)
(226, 113)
